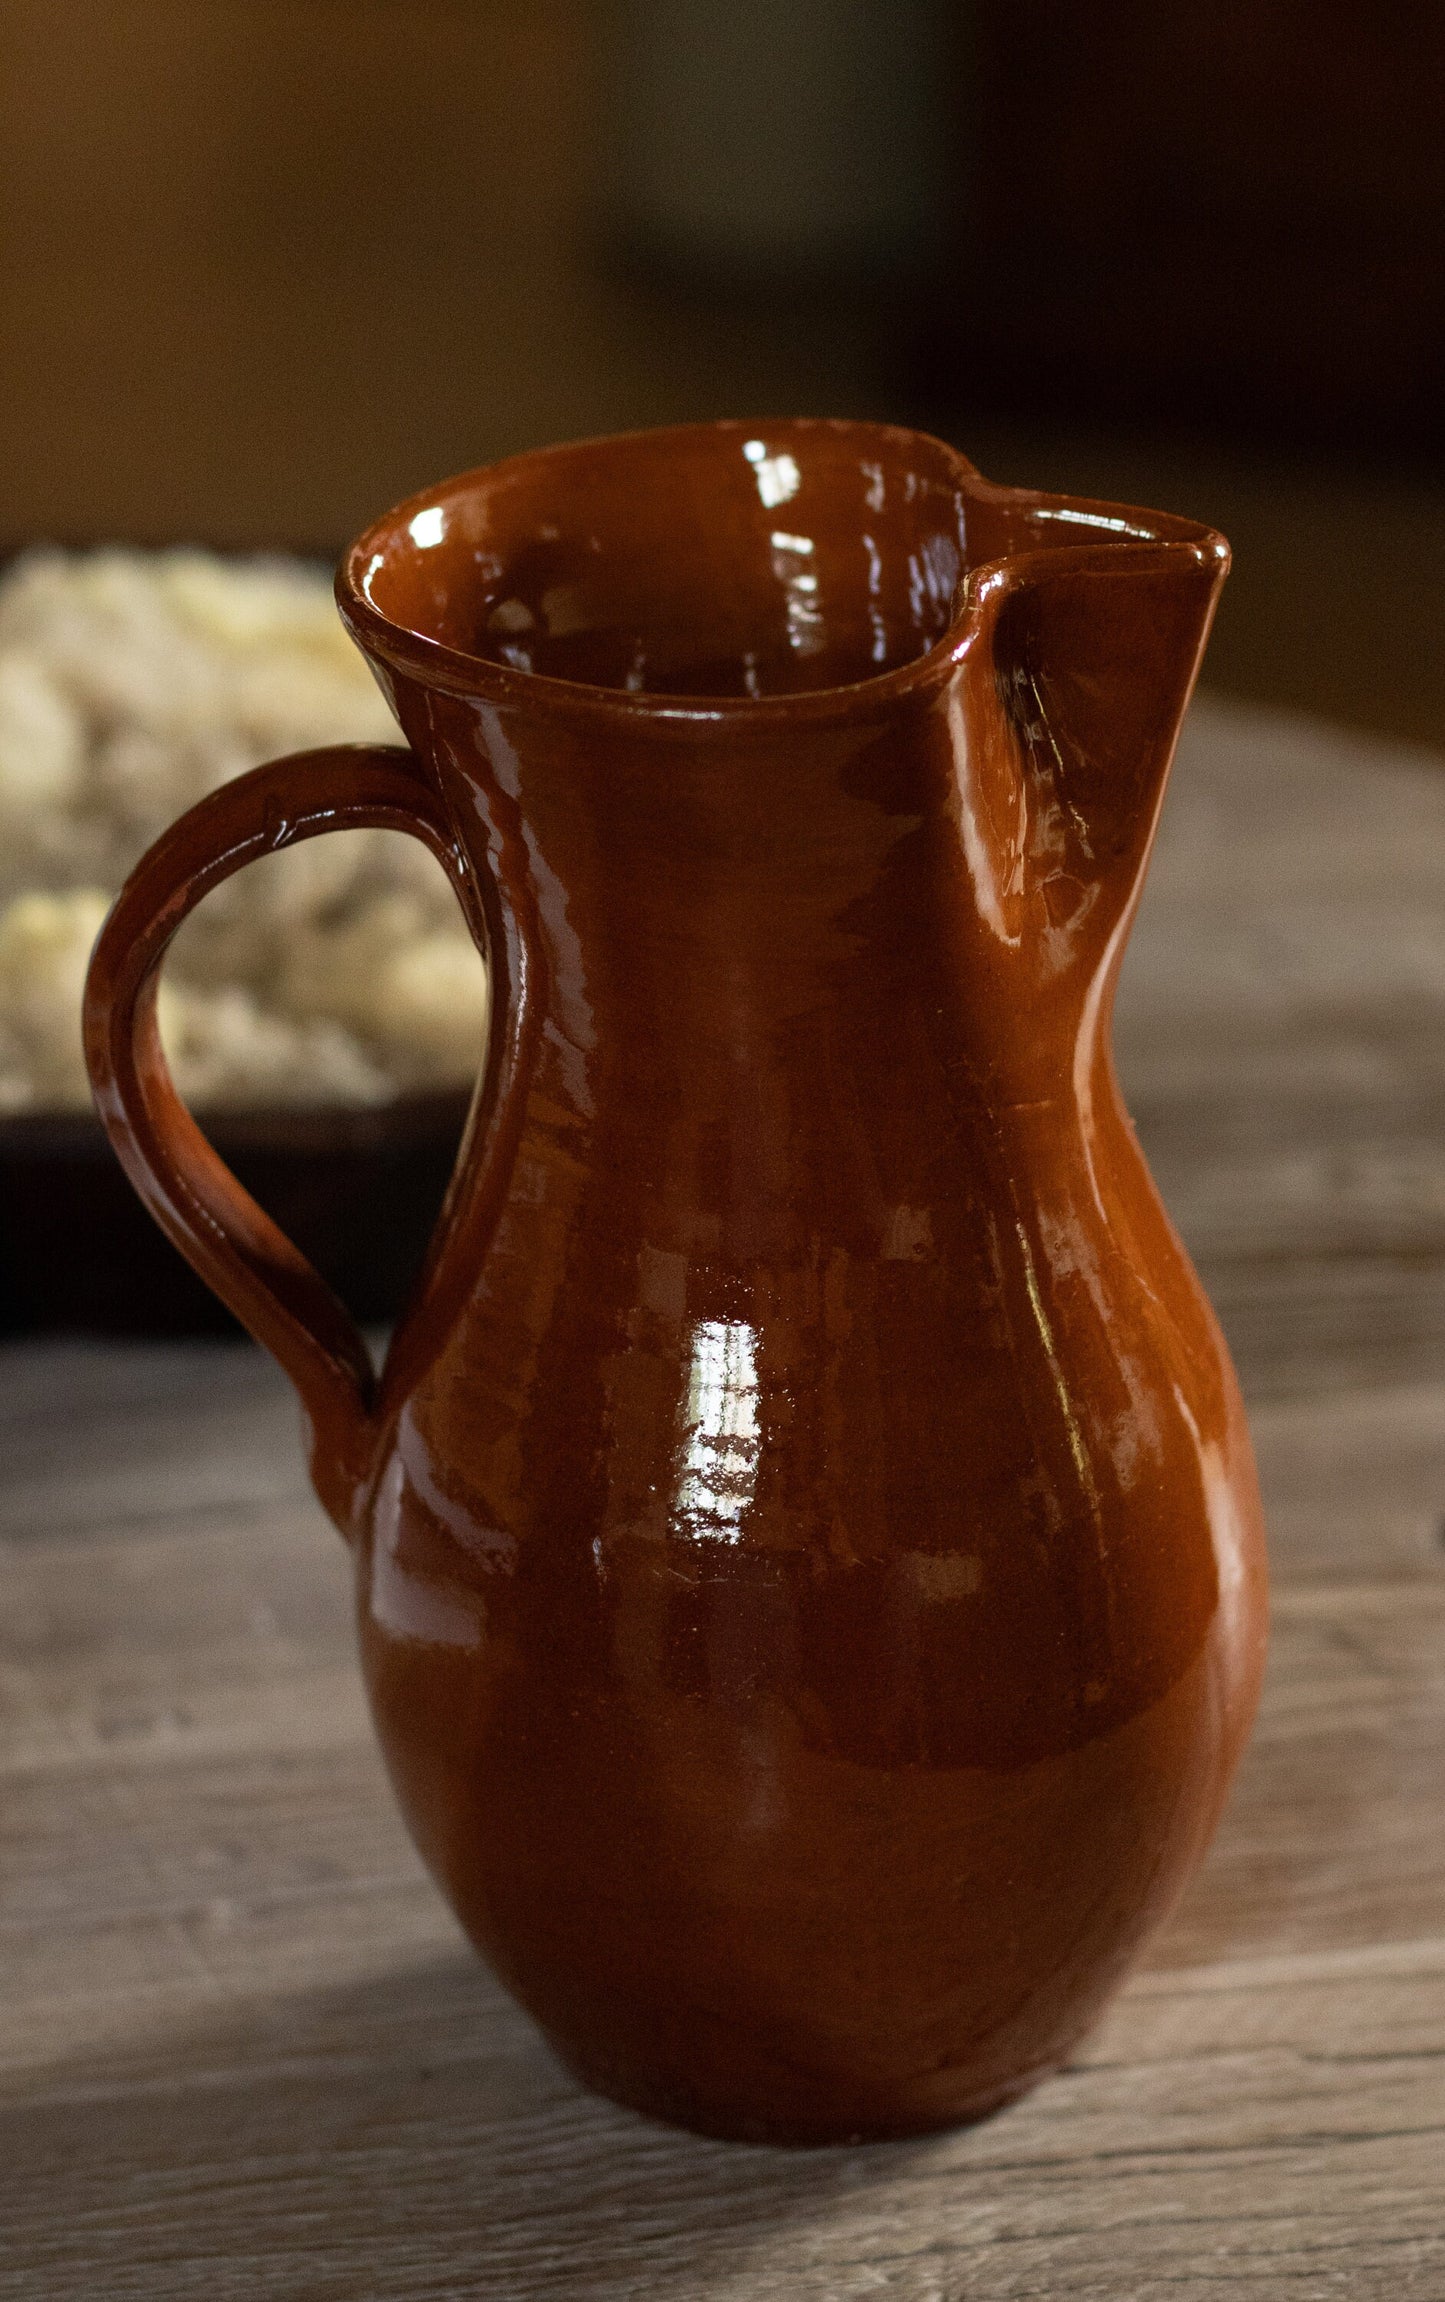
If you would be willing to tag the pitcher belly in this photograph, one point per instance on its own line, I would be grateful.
(733, 1902)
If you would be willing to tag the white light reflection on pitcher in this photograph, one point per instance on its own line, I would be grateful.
(720, 1465)
(429, 527)
(778, 477)
(793, 567)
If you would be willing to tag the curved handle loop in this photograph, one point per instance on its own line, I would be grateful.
(190, 1191)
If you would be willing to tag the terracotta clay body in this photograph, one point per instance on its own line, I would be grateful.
(808, 1557)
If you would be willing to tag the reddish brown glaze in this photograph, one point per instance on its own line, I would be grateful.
(808, 1557)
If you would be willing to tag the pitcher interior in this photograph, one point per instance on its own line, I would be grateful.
(723, 560)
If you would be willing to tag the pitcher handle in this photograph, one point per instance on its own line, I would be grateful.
(204, 1211)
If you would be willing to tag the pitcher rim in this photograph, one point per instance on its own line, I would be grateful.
(1123, 535)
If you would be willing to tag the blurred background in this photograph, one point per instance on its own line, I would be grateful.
(267, 265)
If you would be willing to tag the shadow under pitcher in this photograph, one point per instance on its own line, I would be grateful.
(808, 1557)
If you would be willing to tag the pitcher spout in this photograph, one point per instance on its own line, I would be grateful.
(1089, 626)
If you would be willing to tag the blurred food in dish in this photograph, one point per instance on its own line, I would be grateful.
(338, 974)
(324, 1012)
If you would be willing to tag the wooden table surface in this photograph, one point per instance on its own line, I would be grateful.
(242, 2050)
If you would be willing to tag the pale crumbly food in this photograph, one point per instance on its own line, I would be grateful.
(131, 683)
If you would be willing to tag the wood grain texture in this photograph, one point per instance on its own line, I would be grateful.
(242, 2050)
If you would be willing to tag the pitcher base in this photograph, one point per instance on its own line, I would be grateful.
(799, 2125)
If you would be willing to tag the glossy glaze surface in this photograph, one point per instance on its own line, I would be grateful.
(808, 1558)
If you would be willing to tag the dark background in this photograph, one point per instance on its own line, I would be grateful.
(266, 265)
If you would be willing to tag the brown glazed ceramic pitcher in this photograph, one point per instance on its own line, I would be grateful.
(807, 1550)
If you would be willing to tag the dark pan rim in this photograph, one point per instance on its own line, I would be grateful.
(319, 1131)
